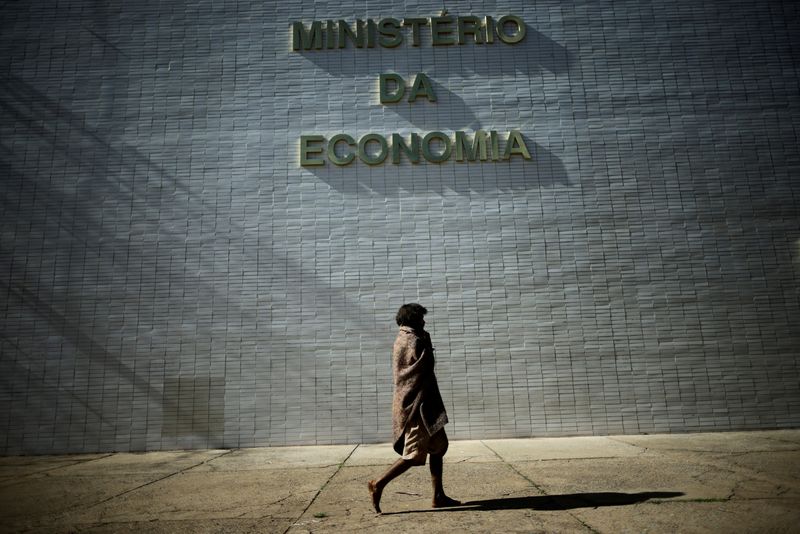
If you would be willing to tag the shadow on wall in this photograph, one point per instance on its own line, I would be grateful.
(194, 407)
(534, 55)
(28, 110)
(449, 109)
(80, 214)
(543, 170)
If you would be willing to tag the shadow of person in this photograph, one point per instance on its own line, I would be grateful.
(567, 501)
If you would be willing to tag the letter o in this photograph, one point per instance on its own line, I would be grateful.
(517, 36)
(380, 156)
(428, 153)
(345, 159)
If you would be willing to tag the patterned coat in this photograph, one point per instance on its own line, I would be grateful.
(415, 388)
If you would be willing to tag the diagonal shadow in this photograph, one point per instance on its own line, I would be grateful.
(452, 111)
(102, 167)
(72, 330)
(566, 501)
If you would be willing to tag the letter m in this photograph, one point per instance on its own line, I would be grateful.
(471, 150)
(307, 39)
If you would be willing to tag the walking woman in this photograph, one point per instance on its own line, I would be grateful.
(418, 414)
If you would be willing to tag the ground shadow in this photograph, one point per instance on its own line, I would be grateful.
(558, 502)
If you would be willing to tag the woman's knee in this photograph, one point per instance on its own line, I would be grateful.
(418, 458)
(441, 447)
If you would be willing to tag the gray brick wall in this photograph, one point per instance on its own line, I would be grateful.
(170, 277)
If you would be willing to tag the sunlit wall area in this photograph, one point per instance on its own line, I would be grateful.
(211, 212)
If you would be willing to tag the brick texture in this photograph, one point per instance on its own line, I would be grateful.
(171, 277)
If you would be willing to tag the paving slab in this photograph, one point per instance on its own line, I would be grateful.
(195, 526)
(277, 494)
(42, 500)
(743, 517)
(496, 499)
(161, 462)
(760, 474)
(687, 480)
(469, 451)
(279, 458)
(458, 451)
(779, 466)
(783, 435)
(721, 442)
(13, 469)
(515, 450)
(736, 482)
(753, 464)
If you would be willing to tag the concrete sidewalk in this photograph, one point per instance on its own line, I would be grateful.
(723, 482)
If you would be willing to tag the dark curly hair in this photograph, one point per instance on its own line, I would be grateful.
(410, 314)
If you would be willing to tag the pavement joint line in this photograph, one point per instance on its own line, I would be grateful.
(45, 472)
(159, 479)
(76, 462)
(531, 482)
(314, 498)
(540, 489)
(575, 458)
(754, 473)
(781, 440)
(618, 440)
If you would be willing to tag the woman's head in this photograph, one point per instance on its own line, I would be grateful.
(411, 315)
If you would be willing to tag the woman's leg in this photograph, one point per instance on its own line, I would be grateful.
(440, 500)
(397, 469)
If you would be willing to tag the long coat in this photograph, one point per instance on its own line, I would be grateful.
(415, 388)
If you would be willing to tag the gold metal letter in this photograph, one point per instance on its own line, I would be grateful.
(380, 156)
(422, 87)
(441, 35)
(390, 33)
(411, 152)
(469, 26)
(387, 97)
(429, 154)
(357, 37)
(307, 152)
(307, 40)
(489, 30)
(516, 145)
(478, 147)
(348, 157)
(495, 145)
(415, 23)
(371, 29)
(517, 36)
(330, 35)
